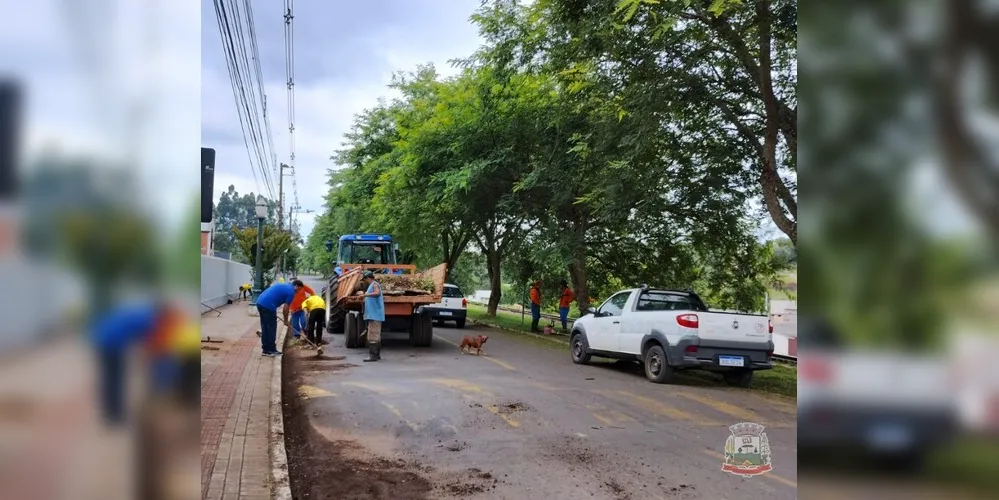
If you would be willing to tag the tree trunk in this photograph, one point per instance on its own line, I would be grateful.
(577, 266)
(453, 244)
(495, 281)
(774, 190)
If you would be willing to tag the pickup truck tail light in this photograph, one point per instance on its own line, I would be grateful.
(770, 325)
(691, 349)
(464, 303)
(815, 370)
(687, 320)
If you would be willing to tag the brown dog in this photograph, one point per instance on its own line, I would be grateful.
(473, 342)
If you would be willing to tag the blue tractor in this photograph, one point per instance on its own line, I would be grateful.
(366, 249)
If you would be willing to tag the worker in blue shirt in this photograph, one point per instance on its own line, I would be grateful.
(112, 335)
(374, 314)
(276, 295)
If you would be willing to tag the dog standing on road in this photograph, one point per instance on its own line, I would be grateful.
(473, 342)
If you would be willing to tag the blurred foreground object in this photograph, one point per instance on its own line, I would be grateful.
(98, 162)
(898, 254)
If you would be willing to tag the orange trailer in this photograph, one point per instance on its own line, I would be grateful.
(404, 311)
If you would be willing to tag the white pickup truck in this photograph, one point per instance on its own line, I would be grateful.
(670, 330)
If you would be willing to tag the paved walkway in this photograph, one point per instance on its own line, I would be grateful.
(235, 407)
(52, 443)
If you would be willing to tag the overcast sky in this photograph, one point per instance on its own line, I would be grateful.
(345, 54)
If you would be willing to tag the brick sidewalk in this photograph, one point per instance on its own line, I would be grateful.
(235, 408)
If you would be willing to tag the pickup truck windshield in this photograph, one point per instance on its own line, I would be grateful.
(669, 301)
(453, 292)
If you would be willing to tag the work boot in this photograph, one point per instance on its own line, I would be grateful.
(374, 352)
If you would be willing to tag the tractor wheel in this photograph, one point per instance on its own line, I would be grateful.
(352, 331)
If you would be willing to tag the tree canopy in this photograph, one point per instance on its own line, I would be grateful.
(591, 142)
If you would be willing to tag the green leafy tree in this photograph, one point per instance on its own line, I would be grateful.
(276, 244)
(237, 211)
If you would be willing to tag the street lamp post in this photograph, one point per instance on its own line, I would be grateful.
(258, 278)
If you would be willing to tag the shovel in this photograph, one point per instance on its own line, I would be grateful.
(319, 348)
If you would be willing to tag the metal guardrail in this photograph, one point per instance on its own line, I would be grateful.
(785, 360)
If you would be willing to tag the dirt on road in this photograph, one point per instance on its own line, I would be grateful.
(523, 422)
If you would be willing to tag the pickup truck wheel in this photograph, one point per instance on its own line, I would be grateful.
(460, 323)
(657, 368)
(738, 378)
(579, 347)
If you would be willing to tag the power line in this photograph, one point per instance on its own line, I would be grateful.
(238, 36)
(289, 55)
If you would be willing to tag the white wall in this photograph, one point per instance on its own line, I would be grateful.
(220, 280)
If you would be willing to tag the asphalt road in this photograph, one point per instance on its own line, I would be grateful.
(520, 422)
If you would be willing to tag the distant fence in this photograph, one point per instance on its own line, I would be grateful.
(220, 280)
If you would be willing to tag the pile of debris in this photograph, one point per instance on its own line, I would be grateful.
(402, 284)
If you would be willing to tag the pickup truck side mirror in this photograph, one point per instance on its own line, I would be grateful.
(593, 311)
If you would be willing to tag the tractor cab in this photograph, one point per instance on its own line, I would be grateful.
(366, 249)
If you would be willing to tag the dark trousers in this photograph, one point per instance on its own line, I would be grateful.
(190, 381)
(112, 380)
(268, 329)
(563, 315)
(316, 325)
(535, 316)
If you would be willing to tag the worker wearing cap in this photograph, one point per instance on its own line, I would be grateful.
(374, 314)
(244, 291)
(315, 310)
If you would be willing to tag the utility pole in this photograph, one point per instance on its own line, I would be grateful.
(280, 220)
(280, 265)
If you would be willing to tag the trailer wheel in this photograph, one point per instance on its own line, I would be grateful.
(421, 331)
(352, 331)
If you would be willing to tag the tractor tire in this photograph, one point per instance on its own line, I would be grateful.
(337, 322)
(421, 330)
(352, 331)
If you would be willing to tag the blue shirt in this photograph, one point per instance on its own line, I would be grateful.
(276, 295)
(121, 327)
(374, 307)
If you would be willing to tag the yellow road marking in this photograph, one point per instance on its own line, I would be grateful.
(769, 475)
(446, 341)
(622, 417)
(733, 411)
(549, 387)
(380, 389)
(398, 413)
(502, 363)
(509, 420)
(603, 419)
(461, 385)
(657, 407)
(309, 392)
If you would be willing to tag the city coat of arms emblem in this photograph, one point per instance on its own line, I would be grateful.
(747, 450)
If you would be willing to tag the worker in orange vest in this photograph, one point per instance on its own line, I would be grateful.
(564, 301)
(535, 305)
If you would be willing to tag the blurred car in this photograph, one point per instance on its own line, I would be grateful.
(891, 406)
(452, 307)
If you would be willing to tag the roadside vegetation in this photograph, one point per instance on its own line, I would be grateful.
(610, 145)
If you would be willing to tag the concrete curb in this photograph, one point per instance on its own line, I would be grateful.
(280, 484)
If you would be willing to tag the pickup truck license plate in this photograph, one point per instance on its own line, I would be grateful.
(445, 313)
(731, 361)
(889, 437)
